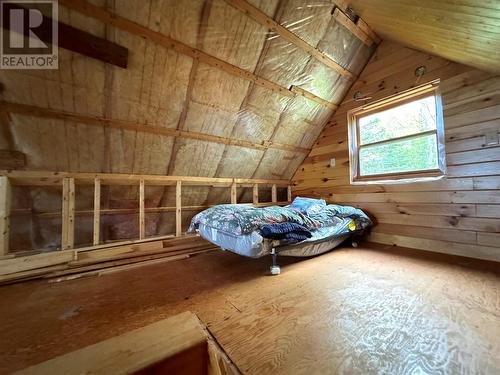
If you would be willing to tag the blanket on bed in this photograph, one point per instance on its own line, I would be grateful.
(243, 219)
(285, 231)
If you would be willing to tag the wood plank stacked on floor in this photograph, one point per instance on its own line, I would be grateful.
(459, 214)
(70, 264)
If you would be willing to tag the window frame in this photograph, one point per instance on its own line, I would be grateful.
(420, 92)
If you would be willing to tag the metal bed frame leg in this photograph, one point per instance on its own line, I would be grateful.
(275, 268)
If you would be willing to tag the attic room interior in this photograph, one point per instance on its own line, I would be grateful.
(250, 187)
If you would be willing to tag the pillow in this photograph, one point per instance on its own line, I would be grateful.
(314, 209)
(303, 204)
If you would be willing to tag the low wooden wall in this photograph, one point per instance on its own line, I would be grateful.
(70, 258)
(69, 180)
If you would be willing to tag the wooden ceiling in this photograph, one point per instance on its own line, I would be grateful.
(465, 31)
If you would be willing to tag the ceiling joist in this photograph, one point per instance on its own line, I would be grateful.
(114, 20)
(30, 110)
(257, 15)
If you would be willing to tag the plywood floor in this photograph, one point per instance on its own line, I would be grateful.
(356, 311)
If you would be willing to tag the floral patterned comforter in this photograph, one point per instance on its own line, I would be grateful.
(242, 219)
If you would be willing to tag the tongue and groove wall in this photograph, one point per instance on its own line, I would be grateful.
(459, 214)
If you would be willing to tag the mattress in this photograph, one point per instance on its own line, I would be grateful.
(255, 246)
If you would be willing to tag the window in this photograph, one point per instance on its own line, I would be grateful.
(399, 138)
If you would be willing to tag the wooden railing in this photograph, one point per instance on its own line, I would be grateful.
(69, 180)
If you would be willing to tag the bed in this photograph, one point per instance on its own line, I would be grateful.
(241, 228)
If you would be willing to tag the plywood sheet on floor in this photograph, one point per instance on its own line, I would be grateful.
(351, 310)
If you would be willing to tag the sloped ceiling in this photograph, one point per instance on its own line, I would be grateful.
(464, 31)
(162, 88)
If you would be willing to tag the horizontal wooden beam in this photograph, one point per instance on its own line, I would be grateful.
(127, 211)
(128, 125)
(124, 24)
(311, 96)
(257, 15)
(48, 178)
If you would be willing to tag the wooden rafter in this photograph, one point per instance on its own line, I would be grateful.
(112, 19)
(127, 125)
(260, 17)
(358, 32)
(311, 96)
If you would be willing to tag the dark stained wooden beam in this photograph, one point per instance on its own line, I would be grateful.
(89, 45)
(82, 42)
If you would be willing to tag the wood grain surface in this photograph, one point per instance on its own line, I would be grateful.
(375, 309)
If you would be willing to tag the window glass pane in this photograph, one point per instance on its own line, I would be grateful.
(407, 155)
(410, 118)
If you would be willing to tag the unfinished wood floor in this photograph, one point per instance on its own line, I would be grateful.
(349, 311)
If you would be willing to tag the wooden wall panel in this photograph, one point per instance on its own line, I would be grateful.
(459, 214)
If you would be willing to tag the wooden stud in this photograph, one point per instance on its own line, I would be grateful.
(260, 17)
(289, 193)
(141, 210)
(5, 196)
(233, 193)
(68, 214)
(128, 125)
(178, 208)
(274, 193)
(97, 211)
(255, 194)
